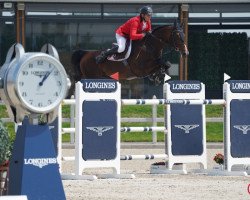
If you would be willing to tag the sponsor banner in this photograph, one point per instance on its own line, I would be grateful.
(240, 128)
(239, 86)
(99, 130)
(185, 86)
(40, 162)
(186, 130)
(99, 85)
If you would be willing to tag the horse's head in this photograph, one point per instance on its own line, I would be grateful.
(177, 37)
(171, 35)
(161, 37)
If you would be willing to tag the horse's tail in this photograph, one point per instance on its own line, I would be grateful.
(75, 61)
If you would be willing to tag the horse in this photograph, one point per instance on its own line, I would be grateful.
(145, 59)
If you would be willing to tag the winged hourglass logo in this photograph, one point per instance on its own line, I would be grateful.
(187, 128)
(243, 128)
(100, 129)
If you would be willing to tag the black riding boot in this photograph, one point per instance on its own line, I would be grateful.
(103, 55)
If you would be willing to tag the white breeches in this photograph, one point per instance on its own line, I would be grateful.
(121, 42)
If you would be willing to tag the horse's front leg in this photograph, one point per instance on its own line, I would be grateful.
(158, 76)
(164, 66)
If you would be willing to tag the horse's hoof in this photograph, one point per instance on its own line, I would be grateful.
(168, 64)
(157, 81)
(151, 78)
(98, 59)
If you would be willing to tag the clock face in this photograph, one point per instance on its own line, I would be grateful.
(41, 83)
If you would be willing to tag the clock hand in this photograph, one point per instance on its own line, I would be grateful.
(45, 77)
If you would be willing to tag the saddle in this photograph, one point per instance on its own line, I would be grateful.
(125, 54)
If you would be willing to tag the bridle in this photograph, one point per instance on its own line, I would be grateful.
(174, 31)
(173, 38)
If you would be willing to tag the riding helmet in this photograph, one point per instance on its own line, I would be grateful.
(147, 10)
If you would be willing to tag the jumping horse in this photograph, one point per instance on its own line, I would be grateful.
(145, 59)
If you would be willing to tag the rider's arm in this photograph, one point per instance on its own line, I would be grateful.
(133, 32)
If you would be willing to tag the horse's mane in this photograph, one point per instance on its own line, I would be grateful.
(160, 27)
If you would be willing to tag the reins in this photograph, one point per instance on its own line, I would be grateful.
(131, 69)
(141, 47)
(162, 43)
(172, 36)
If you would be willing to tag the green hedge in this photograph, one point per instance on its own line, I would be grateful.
(212, 54)
(5, 144)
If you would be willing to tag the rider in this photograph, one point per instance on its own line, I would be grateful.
(134, 29)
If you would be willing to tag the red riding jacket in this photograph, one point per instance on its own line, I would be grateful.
(133, 28)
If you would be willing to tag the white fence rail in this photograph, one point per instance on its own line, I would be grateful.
(131, 119)
(154, 119)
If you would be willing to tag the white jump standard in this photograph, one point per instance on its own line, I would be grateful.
(98, 128)
(236, 128)
(186, 138)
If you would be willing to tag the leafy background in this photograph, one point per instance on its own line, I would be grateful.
(213, 54)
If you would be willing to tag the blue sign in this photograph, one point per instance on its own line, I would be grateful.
(185, 86)
(240, 128)
(99, 85)
(99, 128)
(187, 129)
(239, 86)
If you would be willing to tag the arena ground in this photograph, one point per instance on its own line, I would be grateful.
(147, 186)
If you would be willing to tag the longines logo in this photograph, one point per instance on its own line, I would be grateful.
(39, 73)
(242, 86)
(243, 128)
(185, 86)
(187, 128)
(100, 129)
(99, 85)
(40, 162)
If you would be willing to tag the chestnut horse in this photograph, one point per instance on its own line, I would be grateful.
(145, 59)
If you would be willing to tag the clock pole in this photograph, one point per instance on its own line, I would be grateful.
(34, 170)
(24, 82)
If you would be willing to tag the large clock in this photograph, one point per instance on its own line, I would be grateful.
(33, 83)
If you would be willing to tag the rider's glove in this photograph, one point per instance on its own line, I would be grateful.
(147, 34)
